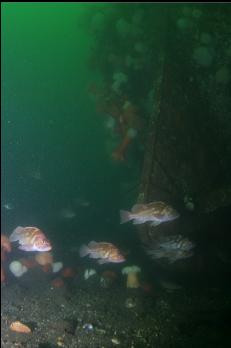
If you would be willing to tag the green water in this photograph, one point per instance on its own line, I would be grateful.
(56, 149)
(57, 155)
(53, 149)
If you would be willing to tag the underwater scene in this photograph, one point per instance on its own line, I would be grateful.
(116, 175)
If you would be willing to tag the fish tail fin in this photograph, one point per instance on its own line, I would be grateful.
(15, 234)
(84, 250)
(125, 216)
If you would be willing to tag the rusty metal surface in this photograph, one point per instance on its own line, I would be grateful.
(187, 153)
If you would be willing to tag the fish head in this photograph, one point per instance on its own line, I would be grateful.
(186, 244)
(170, 213)
(42, 244)
(117, 258)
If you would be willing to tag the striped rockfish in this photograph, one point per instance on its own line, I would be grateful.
(155, 212)
(30, 239)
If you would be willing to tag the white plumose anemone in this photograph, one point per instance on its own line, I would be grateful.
(89, 273)
(57, 266)
(17, 268)
(132, 276)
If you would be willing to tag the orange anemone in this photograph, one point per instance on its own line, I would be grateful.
(119, 153)
(44, 258)
(68, 272)
(2, 275)
(109, 275)
(57, 283)
(146, 287)
(5, 248)
(29, 263)
(47, 268)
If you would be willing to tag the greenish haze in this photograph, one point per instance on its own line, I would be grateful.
(49, 124)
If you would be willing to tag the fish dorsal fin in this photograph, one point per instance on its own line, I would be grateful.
(138, 207)
(92, 244)
(155, 204)
(18, 229)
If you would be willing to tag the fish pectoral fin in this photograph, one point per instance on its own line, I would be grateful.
(102, 261)
(155, 223)
(26, 247)
(92, 244)
(138, 222)
(93, 255)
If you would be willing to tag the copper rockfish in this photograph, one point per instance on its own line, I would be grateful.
(171, 248)
(30, 239)
(105, 252)
(155, 212)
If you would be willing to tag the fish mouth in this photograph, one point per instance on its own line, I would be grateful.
(45, 249)
(120, 260)
(173, 217)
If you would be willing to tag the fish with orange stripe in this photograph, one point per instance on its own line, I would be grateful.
(103, 251)
(30, 239)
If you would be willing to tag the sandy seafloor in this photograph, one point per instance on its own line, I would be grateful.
(60, 317)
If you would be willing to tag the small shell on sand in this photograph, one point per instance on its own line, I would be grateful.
(17, 326)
